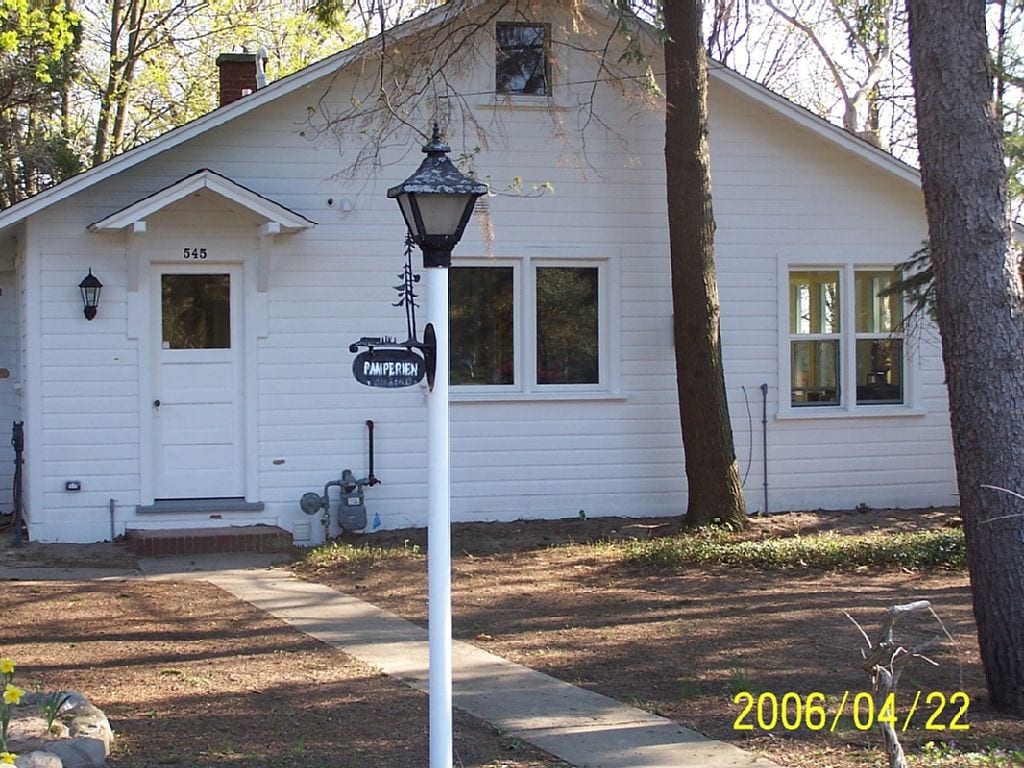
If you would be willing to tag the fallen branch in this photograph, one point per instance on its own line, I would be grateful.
(884, 661)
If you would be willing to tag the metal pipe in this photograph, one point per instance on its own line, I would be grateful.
(764, 441)
(113, 505)
(18, 441)
(371, 480)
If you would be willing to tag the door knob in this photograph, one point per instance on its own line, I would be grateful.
(156, 403)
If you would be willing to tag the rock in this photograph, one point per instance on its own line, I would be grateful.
(25, 727)
(38, 760)
(32, 699)
(77, 706)
(73, 753)
(92, 725)
(73, 699)
(84, 738)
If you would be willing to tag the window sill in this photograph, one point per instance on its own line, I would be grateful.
(533, 397)
(501, 101)
(860, 412)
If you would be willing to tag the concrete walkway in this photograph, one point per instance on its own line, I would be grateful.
(583, 728)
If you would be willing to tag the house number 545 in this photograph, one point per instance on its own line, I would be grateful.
(195, 253)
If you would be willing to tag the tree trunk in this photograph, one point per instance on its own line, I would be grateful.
(101, 145)
(712, 474)
(981, 318)
(131, 59)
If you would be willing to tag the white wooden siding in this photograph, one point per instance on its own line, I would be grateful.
(10, 409)
(779, 191)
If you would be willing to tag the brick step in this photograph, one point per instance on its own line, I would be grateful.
(206, 541)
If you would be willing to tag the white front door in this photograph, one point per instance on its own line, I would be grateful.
(197, 382)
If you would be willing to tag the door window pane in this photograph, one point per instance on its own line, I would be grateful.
(879, 371)
(815, 367)
(521, 65)
(814, 302)
(196, 311)
(877, 314)
(481, 347)
(567, 325)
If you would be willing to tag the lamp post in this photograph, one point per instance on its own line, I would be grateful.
(436, 203)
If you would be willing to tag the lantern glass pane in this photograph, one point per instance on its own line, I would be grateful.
(405, 203)
(442, 214)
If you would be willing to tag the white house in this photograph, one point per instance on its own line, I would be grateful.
(214, 385)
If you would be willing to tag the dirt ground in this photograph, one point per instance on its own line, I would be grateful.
(683, 644)
(30, 553)
(192, 677)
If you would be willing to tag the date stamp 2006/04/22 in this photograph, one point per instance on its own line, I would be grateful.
(935, 711)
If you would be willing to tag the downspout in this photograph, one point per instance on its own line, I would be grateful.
(18, 443)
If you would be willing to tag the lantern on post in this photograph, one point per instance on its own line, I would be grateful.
(437, 202)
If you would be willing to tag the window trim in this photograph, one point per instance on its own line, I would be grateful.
(524, 343)
(847, 380)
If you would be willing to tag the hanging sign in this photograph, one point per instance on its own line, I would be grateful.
(388, 363)
(389, 368)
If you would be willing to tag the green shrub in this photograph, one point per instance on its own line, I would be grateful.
(935, 754)
(920, 549)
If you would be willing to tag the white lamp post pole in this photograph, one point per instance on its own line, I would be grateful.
(439, 577)
(436, 203)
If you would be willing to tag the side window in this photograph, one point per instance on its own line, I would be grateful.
(814, 337)
(879, 353)
(845, 341)
(481, 316)
(530, 327)
(568, 339)
(521, 64)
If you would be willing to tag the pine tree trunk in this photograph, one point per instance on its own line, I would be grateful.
(712, 474)
(981, 318)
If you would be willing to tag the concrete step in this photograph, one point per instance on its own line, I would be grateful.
(200, 541)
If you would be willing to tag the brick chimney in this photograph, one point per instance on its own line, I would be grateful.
(240, 74)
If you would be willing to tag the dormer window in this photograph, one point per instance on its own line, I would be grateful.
(521, 59)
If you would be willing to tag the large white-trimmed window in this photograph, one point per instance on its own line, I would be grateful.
(532, 326)
(845, 347)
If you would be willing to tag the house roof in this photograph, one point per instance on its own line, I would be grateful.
(304, 77)
(224, 114)
(262, 207)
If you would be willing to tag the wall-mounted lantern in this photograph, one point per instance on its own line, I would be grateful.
(90, 288)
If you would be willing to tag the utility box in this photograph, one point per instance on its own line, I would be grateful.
(351, 503)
